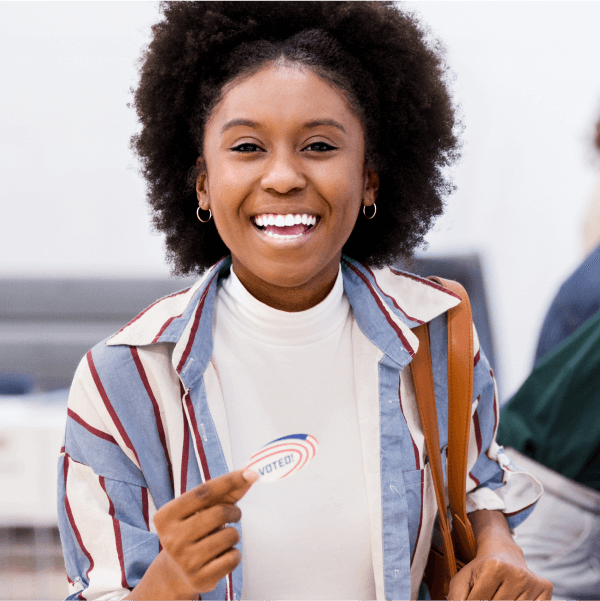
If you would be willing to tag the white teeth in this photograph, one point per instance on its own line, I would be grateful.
(284, 220)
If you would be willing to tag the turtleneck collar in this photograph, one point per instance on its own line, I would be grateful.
(283, 328)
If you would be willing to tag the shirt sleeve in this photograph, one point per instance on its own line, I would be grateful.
(494, 482)
(104, 506)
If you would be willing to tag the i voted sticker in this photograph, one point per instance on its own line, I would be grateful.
(283, 457)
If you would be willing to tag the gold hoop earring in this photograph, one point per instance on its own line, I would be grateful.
(203, 220)
(374, 211)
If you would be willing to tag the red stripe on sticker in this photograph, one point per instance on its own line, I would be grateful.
(155, 408)
(110, 408)
(74, 525)
(117, 529)
(197, 437)
(383, 310)
(89, 428)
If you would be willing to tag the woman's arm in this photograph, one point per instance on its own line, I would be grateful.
(499, 570)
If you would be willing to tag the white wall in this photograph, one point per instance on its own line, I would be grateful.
(527, 78)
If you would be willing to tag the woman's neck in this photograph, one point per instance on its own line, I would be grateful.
(289, 298)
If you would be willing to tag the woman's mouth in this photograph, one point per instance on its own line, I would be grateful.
(285, 227)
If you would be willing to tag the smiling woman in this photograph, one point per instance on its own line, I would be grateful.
(273, 124)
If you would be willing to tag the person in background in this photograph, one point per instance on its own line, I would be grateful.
(293, 151)
(552, 428)
(579, 297)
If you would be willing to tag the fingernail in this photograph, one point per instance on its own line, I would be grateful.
(250, 475)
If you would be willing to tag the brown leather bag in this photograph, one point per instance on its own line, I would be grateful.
(459, 542)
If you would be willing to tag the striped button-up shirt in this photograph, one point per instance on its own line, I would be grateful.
(147, 422)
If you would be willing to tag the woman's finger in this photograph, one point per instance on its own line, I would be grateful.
(207, 578)
(460, 585)
(486, 585)
(204, 522)
(215, 544)
(229, 488)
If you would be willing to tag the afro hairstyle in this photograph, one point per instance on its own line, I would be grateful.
(382, 58)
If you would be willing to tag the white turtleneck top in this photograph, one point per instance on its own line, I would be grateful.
(306, 537)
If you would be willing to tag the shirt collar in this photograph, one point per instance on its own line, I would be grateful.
(386, 304)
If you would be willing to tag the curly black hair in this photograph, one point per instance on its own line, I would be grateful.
(380, 57)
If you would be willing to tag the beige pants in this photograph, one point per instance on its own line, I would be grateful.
(561, 538)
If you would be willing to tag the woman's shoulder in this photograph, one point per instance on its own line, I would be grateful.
(412, 298)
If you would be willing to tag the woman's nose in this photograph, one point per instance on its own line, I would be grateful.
(283, 175)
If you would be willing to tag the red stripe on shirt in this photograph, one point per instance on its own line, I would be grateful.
(496, 416)
(89, 428)
(74, 525)
(392, 299)
(145, 510)
(109, 407)
(156, 409)
(477, 357)
(150, 307)
(229, 587)
(164, 327)
(477, 430)
(425, 281)
(197, 437)
(117, 529)
(195, 325)
(186, 454)
(383, 310)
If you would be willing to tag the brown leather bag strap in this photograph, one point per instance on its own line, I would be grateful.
(460, 395)
(424, 391)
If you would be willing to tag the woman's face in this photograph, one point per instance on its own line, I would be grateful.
(285, 178)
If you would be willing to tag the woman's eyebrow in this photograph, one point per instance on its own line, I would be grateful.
(307, 125)
(237, 122)
(317, 122)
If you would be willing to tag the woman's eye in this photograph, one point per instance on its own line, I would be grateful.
(246, 147)
(320, 147)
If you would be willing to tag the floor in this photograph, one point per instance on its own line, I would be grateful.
(31, 564)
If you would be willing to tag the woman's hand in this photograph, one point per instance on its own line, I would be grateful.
(197, 547)
(499, 570)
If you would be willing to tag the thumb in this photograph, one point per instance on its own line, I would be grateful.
(460, 585)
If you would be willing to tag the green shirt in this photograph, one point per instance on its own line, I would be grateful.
(555, 416)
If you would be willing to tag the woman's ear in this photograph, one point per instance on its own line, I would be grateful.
(371, 188)
(202, 185)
